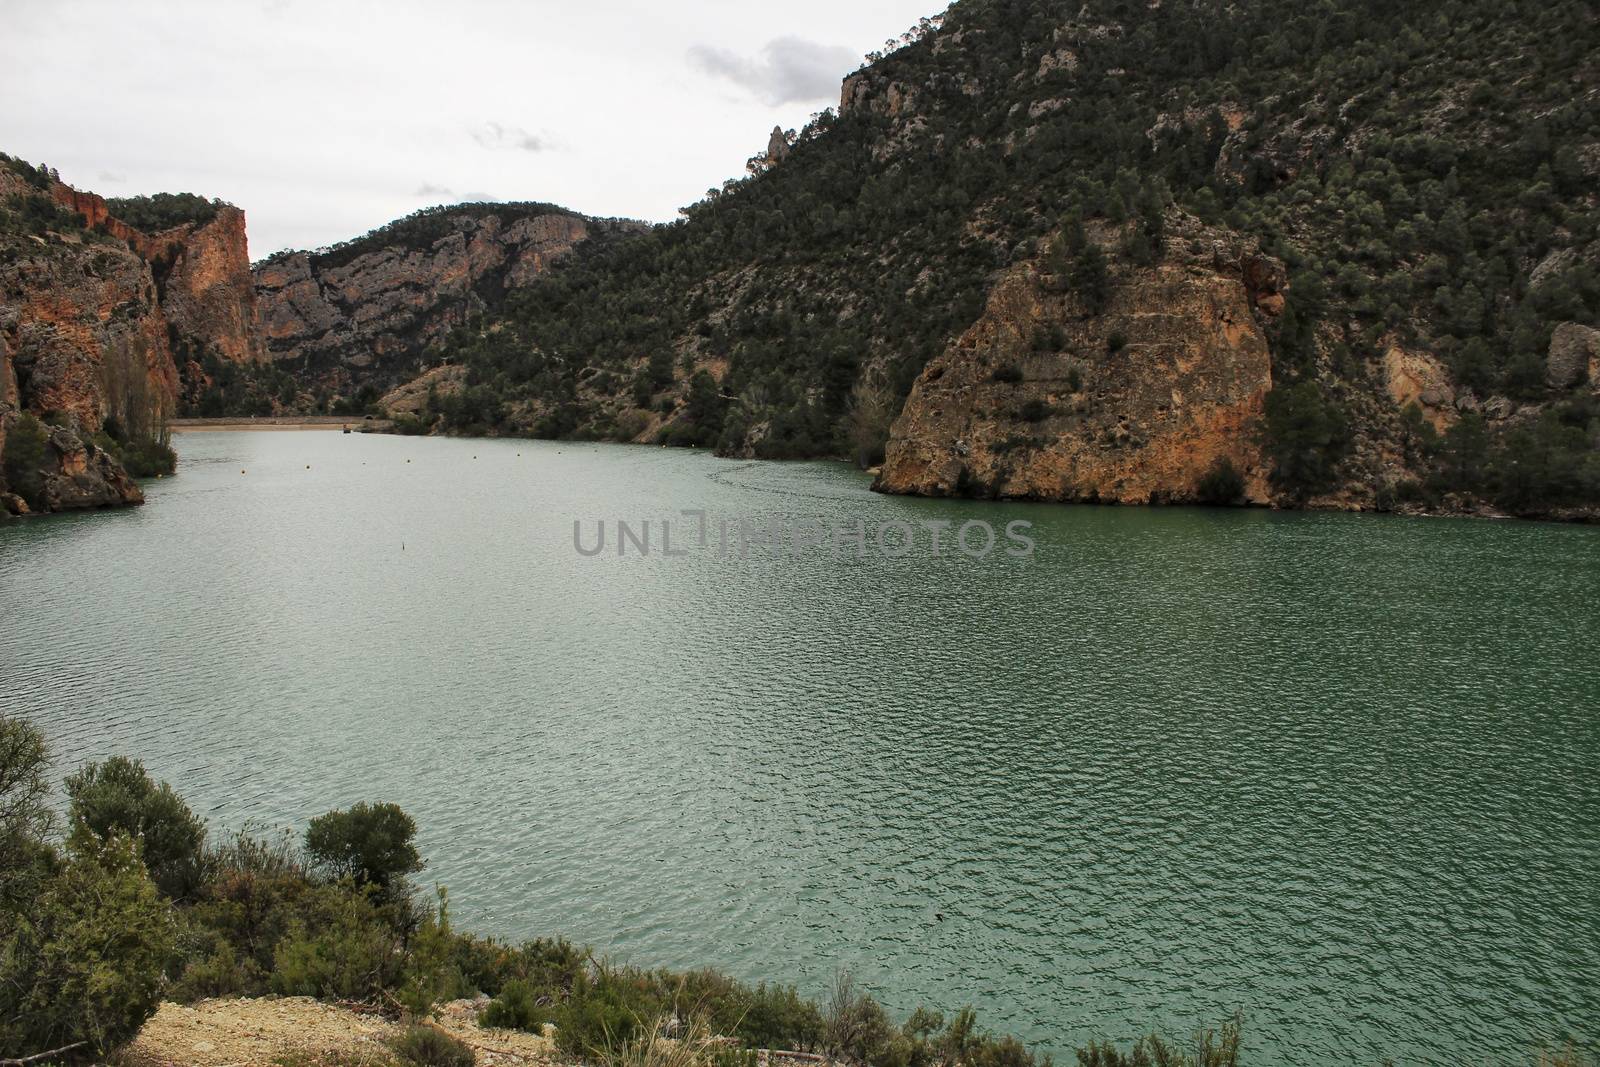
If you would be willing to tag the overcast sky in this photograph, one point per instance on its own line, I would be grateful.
(325, 118)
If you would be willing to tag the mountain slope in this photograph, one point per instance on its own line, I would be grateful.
(1424, 174)
(352, 321)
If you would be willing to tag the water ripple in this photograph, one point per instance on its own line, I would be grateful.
(1337, 773)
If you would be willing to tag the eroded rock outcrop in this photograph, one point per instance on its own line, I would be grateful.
(1418, 377)
(88, 317)
(364, 316)
(1043, 399)
(1574, 355)
(207, 289)
(85, 333)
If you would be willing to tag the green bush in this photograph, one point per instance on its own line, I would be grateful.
(606, 1007)
(24, 459)
(25, 816)
(1307, 437)
(854, 1026)
(370, 842)
(255, 890)
(488, 965)
(1035, 410)
(163, 210)
(515, 1008)
(85, 961)
(777, 1016)
(118, 797)
(338, 947)
(431, 974)
(427, 1047)
(142, 459)
(1209, 1049)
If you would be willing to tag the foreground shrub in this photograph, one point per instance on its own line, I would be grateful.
(85, 962)
(855, 1027)
(692, 1045)
(487, 965)
(24, 815)
(431, 974)
(118, 797)
(427, 1047)
(778, 1017)
(515, 1008)
(337, 948)
(370, 842)
(254, 892)
(1209, 1050)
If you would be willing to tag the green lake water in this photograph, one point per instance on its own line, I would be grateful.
(1340, 773)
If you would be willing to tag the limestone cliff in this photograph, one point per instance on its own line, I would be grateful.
(1044, 398)
(82, 340)
(362, 314)
(207, 289)
(90, 311)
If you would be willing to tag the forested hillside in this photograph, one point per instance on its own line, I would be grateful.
(1423, 173)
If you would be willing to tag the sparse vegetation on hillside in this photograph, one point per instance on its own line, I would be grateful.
(1415, 197)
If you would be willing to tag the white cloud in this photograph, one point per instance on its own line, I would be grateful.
(788, 70)
(324, 120)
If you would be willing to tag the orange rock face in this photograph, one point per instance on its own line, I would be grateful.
(208, 292)
(85, 333)
(1418, 377)
(86, 327)
(93, 208)
(1042, 400)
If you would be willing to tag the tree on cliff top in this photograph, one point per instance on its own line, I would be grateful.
(163, 211)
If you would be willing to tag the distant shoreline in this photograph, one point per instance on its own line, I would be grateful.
(356, 424)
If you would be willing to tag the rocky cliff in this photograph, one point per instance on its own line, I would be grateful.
(207, 289)
(360, 316)
(91, 311)
(1045, 398)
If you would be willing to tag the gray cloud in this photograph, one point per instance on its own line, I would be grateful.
(496, 135)
(444, 194)
(788, 70)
